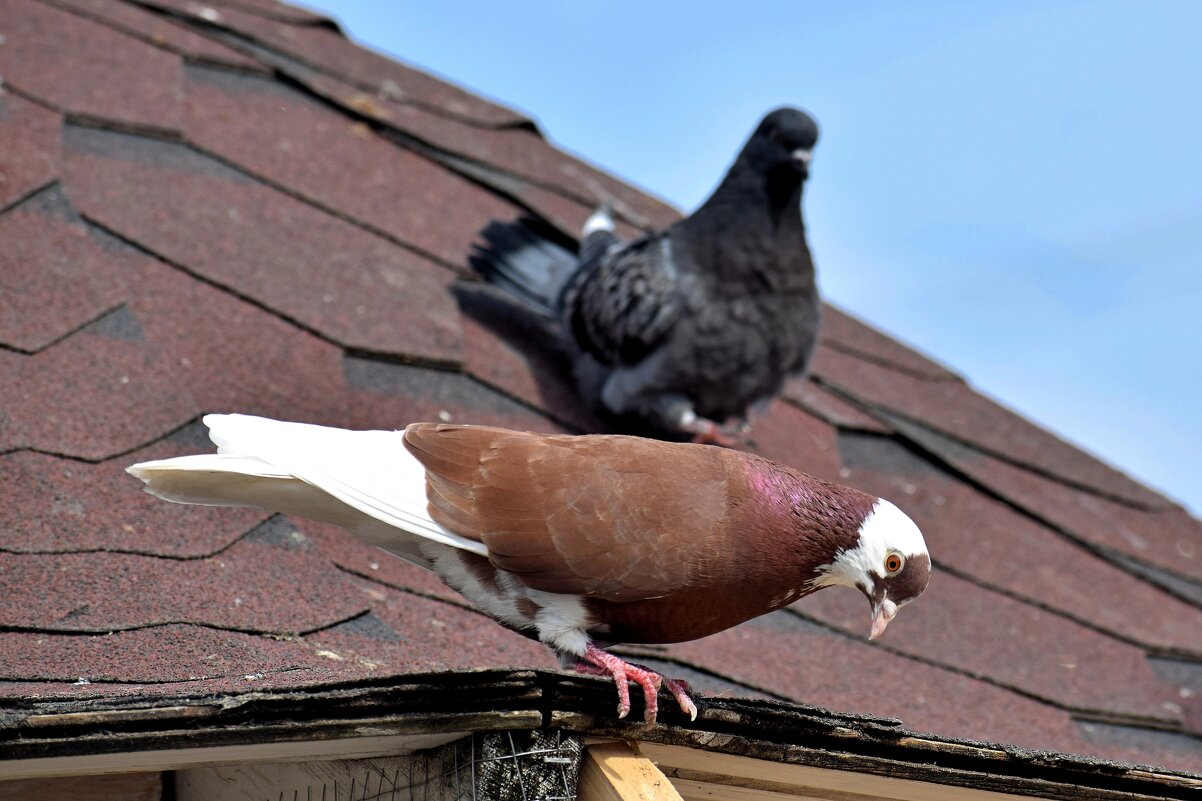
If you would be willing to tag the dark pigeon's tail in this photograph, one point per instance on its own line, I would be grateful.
(527, 265)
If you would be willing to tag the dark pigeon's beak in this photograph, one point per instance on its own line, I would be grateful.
(801, 158)
(882, 613)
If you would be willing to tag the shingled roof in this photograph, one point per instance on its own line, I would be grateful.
(229, 206)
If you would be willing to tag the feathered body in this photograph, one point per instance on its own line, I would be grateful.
(690, 327)
(566, 538)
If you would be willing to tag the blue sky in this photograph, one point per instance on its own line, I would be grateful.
(1014, 188)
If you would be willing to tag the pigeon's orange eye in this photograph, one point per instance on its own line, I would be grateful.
(894, 562)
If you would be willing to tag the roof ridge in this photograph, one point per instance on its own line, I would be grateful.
(258, 45)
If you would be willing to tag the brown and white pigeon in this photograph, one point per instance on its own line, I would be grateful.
(678, 332)
(574, 540)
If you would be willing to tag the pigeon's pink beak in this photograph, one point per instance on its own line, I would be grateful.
(881, 617)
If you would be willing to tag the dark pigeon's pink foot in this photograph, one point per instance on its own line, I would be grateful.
(707, 432)
(599, 663)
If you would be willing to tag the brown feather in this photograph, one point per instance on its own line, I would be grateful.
(624, 519)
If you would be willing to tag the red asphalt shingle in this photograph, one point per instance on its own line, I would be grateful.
(10, 364)
(28, 147)
(512, 355)
(387, 395)
(1141, 746)
(57, 505)
(91, 397)
(228, 228)
(985, 539)
(265, 582)
(408, 632)
(844, 331)
(159, 31)
(87, 69)
(227, 240)
(1186, 675)
(49, 264)
(798, 660)
(156, 656)
(1170, 539)
(176, 349)
(326, 50)
(278, 11)
(563, 190)
(985, 634)
(567, 215)
(816, 400)
(520, 152)
(797, 439)
(954, 408)
(278, 133)
(378, 567)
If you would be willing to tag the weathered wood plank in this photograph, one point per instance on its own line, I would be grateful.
(180, 758)
(743, 775)
(704, 791)
(333, 739)
(501, 766)
(972, 766)
(129, 787)
(343, 780)
(614, 772)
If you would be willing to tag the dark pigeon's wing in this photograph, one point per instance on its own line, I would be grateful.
(523, 260)
(622, 305)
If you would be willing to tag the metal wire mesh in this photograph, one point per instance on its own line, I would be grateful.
(517, 766)
(496, 766)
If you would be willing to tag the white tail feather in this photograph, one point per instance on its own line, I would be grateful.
(364, 481)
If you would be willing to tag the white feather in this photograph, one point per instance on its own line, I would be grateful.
(885, 529)
(599, 220)
(365, 481)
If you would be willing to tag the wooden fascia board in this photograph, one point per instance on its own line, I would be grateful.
(747, 779)
(614, 771)
(365, 738)
(181, 758)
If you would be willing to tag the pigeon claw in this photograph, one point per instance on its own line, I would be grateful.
(599, 663)
(681, 691)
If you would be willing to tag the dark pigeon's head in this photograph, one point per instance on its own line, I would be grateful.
(785, 137)
(889, 563)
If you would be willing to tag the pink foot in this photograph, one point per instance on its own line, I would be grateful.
(599, 663)
(681, 692)
(707, 432)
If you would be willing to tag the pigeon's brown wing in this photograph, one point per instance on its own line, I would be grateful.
(612, 517)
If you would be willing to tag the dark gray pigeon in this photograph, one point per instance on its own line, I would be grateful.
(683, 331)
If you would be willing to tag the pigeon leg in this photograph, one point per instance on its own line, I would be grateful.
(677, 413)
(622, 673)
(707, 432)
(597, 662)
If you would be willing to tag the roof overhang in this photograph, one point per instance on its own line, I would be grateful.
(731, 738)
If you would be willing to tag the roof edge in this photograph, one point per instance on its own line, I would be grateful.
(73, 736)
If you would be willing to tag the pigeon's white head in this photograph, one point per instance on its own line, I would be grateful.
(889, 563)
